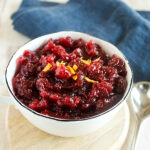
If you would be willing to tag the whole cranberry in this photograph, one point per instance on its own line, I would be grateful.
(61, 52)
(31, 56)
(35, 104)
(39, 105)
(118, 63)
(90, 48)
(22, 60)
(95, 68)
(65, 42)
(43, 104)
(101, 90)
(46, 59)
(76, 53)
(62, 72)
(29, 69)
(110, 74)
(50, 44)
(71, 101)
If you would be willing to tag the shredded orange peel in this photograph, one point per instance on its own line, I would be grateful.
(60, 63)
(47, 67)
(89, 80)
(74, 77)
(97, 59)
(75, 67)
(87, 62)
(70, 69)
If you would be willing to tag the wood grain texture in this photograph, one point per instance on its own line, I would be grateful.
(24, 136)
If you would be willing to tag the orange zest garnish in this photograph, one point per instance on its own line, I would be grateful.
(60, 63)
(75, 67)
(47, 67)
(74, 77)
(70, 69)
(87, 62)
(97, 59)
(57, 63)
(89, 80)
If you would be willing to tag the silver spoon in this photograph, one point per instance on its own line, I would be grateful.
(139, 106)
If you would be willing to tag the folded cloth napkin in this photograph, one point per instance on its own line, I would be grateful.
(111, 20)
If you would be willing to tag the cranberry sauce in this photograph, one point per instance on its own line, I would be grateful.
(69, 79)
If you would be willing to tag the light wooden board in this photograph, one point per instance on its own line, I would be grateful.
(24, 136)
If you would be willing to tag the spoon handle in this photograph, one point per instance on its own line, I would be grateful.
(135, 135)
(133, 131)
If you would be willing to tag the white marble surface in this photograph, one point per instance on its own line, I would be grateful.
(10, 40)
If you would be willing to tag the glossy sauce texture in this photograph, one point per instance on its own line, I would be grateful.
(69, 79)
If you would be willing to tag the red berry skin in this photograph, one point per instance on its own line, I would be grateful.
(44, 104)
(45, 112)
(29, 69)
(101, 90)
(62, 72)
(23, 87)
(61, 52)
(65, 42)
(31, 56)
(46, 59)
(22, 60)
(95, 68)
(52, 96)
(71, 101)
(118, 63)
(80, 79)
(77, 100)
(55, 97)
(76, 53)
(34, 105)
(44, 94)
(107, 85)
(56, 92)
(49, 45)
(39, 105)
(108, 74)
(43, 84)
(91, 48)
(121, 85)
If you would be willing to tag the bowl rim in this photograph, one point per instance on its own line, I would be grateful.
(61, 119)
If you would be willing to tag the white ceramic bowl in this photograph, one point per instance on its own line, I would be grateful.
(61, 127)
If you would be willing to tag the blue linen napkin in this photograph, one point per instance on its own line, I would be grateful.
(111, 20)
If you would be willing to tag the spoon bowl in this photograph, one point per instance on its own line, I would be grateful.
(140, 109)
(140, 96)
